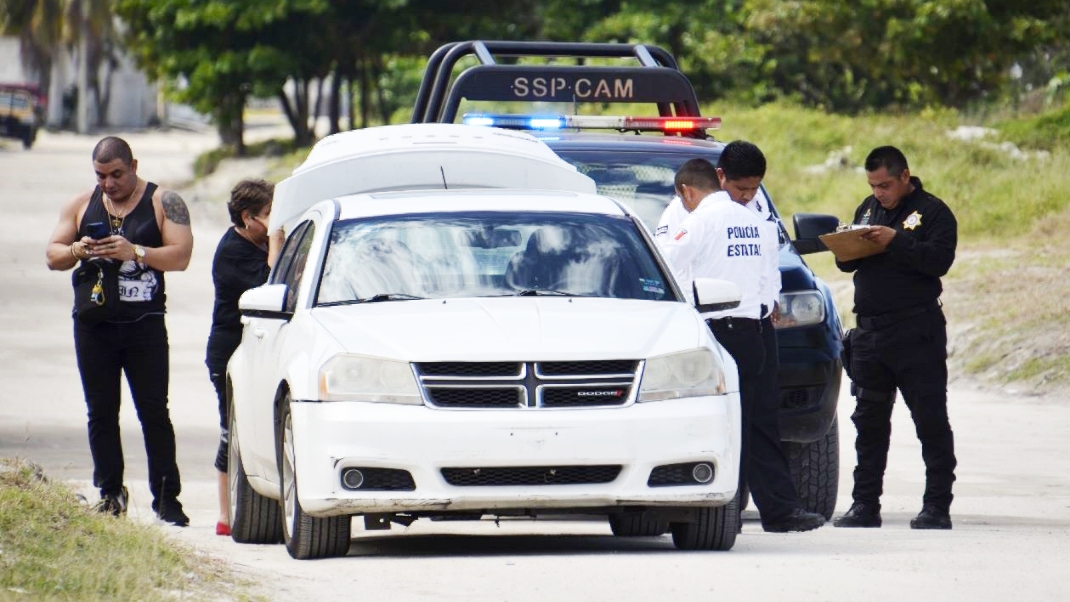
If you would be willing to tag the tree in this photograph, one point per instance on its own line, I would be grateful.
(214, 54)
(39, 27)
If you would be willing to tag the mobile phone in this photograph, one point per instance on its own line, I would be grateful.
(98, 230)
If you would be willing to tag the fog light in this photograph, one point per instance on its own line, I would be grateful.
(352, 478)
(702, 473)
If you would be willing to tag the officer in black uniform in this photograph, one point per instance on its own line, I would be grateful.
(900, 341)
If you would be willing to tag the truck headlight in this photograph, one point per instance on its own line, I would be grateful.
(801, 309)
(360, 378)
(695, 373)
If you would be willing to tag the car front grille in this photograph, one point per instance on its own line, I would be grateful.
(505, 476)
(519, 385)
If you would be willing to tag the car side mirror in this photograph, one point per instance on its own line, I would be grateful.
(712, 294)
(267, 301)
(809, 227)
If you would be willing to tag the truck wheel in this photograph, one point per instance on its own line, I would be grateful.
(306, 537)
(714, 529)
(254, 518)
(635, 525)
(27, 139)
(815, 469)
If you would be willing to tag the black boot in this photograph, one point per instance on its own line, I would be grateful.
(797, 520)
(860, 516)
(931, 517)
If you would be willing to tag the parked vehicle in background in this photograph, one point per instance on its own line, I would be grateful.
(18, 116)
(633, 159)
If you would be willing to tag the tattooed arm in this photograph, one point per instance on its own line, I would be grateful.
(173, 217)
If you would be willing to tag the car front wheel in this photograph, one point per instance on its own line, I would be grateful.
(714, 528)
(306, 537)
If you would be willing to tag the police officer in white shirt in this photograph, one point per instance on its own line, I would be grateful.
(675, 213)
(723, 239)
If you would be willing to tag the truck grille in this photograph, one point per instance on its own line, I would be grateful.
(505, 476)
(519, 385)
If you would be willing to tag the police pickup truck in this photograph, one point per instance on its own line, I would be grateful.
(635, 164)
(17, 117)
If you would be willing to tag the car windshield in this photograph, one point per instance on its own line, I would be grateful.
(489, 254)
(642, 181)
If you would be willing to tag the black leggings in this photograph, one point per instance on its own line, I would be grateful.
(138, 349)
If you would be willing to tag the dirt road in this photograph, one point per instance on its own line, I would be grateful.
(1011, 512)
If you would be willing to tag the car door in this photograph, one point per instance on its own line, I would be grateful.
(265, 337)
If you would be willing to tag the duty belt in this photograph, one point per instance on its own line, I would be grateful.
(885, 320)
(732, 324)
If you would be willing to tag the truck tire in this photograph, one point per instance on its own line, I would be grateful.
(815, 469)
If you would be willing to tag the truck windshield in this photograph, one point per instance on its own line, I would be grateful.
(490, 254)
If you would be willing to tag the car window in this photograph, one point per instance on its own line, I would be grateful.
(642, 181)
(292, 262)
(488, 254)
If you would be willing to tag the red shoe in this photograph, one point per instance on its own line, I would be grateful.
(222, 529)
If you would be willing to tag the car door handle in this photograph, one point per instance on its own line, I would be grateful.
(259, 333)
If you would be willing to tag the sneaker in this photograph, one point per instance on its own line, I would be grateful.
(860, 515)
(113, 503)
(931, 517)
(797, 520)
(170, 511)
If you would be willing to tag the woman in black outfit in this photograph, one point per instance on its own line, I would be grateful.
(241, 262)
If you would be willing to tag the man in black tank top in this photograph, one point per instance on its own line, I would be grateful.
(148, 233)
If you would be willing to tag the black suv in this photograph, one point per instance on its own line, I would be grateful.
(638, 171)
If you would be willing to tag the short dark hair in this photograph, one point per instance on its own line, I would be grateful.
(250, 195)
(112, 148)
(697, 173)
(741, 159)
(888, 157)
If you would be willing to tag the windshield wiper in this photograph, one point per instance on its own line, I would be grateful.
(535, 292)
(372, 299)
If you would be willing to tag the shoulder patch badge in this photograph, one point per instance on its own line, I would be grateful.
(912, 221)
(682, 233)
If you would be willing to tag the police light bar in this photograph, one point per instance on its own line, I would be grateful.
(557, 122)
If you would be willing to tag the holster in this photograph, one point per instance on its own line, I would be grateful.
(845, 353)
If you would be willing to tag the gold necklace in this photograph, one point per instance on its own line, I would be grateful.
(116, 220)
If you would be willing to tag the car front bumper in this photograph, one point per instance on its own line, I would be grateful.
(330, 437)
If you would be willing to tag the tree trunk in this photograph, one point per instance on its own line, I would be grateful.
(230, 122)
(334, 106)
(364, 93)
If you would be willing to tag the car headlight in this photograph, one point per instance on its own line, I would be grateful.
(801, 309)
(694, 373)
(360, 378)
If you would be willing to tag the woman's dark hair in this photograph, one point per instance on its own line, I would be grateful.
(250, 195)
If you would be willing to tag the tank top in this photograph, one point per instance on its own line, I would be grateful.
(141, 288)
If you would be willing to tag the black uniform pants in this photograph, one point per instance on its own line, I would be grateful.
(762, 462)
(138, 349)
(910, 356)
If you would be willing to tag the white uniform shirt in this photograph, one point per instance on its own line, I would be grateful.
(771, 292)
(723, 239)
(674, 215)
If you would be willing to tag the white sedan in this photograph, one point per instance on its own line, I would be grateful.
(461, 353)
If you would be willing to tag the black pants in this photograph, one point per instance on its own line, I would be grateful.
(762, 462)
(220, 347)
(910, 356)
(138, 349)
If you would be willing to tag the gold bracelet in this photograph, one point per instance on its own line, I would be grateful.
(73, 254)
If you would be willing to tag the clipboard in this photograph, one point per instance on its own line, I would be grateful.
(849, 244)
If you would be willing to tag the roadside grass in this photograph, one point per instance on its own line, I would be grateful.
(54, 548)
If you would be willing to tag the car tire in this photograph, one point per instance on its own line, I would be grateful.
(254, 518)
(715, 528)
(636, 525)
(306, 537)
(27, 139)
(815, 470)
(744, 497)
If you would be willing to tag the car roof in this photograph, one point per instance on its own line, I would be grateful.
(488, 200)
